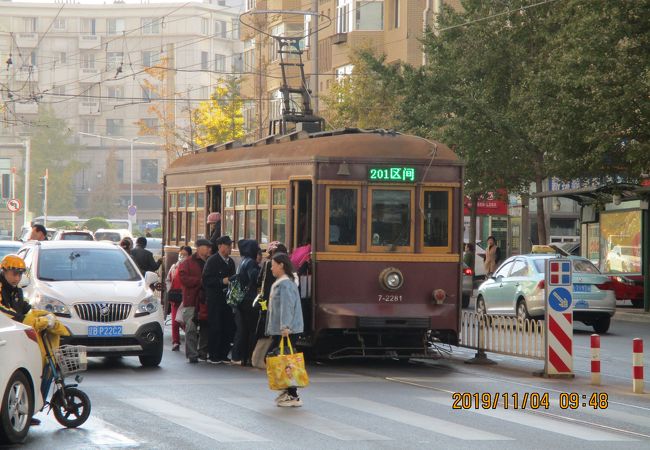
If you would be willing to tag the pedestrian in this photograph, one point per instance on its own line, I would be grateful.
(39, 233)
(265, 280)
(217, 272)
(127, 244)
(468, 255)
(284, 317)
(143, 258)
(175, 294)
(214, 221)
(245, 314)
(492, 256)
(191, 272)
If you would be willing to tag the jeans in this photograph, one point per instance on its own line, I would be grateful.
(191, 333)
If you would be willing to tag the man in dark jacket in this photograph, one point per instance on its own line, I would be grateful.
(190, 272)
(143, 258)
(216, 278)
(245, 315)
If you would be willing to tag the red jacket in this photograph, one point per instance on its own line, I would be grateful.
(190, 272)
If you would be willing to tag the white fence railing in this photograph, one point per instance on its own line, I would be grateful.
(503, 334)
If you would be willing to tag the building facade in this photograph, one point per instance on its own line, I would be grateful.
(130, 73)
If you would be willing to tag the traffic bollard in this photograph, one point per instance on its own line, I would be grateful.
(595, 359)
(637, 366)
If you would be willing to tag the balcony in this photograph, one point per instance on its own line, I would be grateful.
(27, 108)
(26, 40)
(339, 38)
(89, 108)
(90, 41)
(89, 75)
(27, 73)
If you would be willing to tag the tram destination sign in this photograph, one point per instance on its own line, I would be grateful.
(392, 174)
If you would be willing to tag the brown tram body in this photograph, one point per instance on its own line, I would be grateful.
(315, 188)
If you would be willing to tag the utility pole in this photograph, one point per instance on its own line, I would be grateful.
(13, 195)
(45, 178)
(28, 150)
(170, 141)
(314, 52)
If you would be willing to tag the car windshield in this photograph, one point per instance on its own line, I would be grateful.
(579, 266)
(107, 236)
(87, 264)
(154, 244)
(7, 249)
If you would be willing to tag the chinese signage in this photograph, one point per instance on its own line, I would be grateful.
(392, 174)
(490, 204)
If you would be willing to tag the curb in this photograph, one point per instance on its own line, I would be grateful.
(640, 316)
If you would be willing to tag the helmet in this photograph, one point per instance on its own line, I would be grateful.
(214, 217)
(13, 262)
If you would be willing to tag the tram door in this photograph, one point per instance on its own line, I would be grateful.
(301, 210)
(213, 203)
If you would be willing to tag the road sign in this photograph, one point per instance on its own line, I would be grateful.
(132, 210)
(14, 205)
(559, 318)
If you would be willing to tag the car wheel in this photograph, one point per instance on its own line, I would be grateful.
(465, 301)
(480, 305)
(522, 311)
(637, 303)
(153, 358)
(602, 325)
(17, 409)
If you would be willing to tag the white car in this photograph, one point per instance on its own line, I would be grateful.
(625, 259)
(114, 235)
(20, 379)
(97, 292)
(73, 235)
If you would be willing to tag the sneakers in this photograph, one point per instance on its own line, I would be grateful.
(282, 396)
(236, 363)
(290, 402)
(212, 361)
(203, 358)
(176, 347)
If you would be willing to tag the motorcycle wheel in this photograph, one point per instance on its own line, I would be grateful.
(78, 408)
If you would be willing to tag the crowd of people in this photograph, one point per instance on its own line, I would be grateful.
(224, 308)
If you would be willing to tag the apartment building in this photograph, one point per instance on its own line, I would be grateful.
(390, 27)
(126, 72)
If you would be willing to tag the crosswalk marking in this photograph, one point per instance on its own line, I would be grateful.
(302, 418)
(193, 420)
(536, 421)
(415, 419)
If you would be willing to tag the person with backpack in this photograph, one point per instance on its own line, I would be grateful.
(175, 294)
(245, 315)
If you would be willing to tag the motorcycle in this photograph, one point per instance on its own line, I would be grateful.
(70, 405)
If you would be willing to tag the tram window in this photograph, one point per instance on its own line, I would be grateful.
(343, 204)
(229, 199)
(264, 225)
(239, 216)
(173, 236)
(172, 200)
(391, 218)
(181, 199)
(251, 230)
(239, 197)
(200, 224)
(229, 223)
(200, 200)
(251, 195)
(436, 218)
(179, 224)
(263, 196)
(190, 233)
(279, 196)
(190, 199)
(279, 224)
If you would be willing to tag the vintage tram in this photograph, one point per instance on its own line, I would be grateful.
(381, 211)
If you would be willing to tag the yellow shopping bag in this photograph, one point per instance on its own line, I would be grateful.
(286, 370)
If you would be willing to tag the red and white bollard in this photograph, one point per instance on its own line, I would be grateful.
(637, 366)
(595, 359)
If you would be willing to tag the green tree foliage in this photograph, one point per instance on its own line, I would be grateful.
(52, 149)
(220, 119)
(363, 99)
(96, 223)
(62, 224)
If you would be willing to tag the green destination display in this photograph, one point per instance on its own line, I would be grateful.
(392, 174)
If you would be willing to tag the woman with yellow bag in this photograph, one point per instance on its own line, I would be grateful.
(284, 318)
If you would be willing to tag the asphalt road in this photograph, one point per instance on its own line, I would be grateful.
(355, 405)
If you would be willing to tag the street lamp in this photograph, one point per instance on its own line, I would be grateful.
(131, 141)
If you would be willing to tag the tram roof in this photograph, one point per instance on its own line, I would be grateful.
(346, 144)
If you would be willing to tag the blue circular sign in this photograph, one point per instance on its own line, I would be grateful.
(132, 210)
(560, 299)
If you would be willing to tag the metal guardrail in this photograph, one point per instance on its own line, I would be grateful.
(503, 334)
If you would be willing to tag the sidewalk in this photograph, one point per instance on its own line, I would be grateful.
(631, 315)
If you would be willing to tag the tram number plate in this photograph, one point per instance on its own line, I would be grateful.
(389, 298)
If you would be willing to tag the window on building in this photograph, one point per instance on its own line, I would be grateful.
(88, 26)
(275, 105)
(58, 90)
(149, 170)
(114, 127)
(343, 71)
(115, 26)
(219, 63)
(6, 185)
(237, 62)
(250, 4)
(249, 55)
(114, 59)
(115, 93)
(343, 16)
(150, 126)
(63, 57)
(204, 60)
(150, 25)
(220, 29)
(150, 94)
(204, 93)
(205, 26)
(87, 60)
(119, 169)
(58, 24)
(234, 23)
(87, 125)
(31, 24)
(150, 58)
(33, 58)
(307, 30)
(369, 15)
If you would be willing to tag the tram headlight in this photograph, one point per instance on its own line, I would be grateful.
(391, 279)
(439, 296)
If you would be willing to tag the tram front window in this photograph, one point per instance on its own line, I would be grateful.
(436, 218)
(391, 218)
(343, 217)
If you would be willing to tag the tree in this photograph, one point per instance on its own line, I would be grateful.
(104, 199)
(96, 223)
(52, 149)
(220, 119)
(362, 99)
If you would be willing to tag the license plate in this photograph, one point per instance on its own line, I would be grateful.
(105, 331)
(581, 288)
